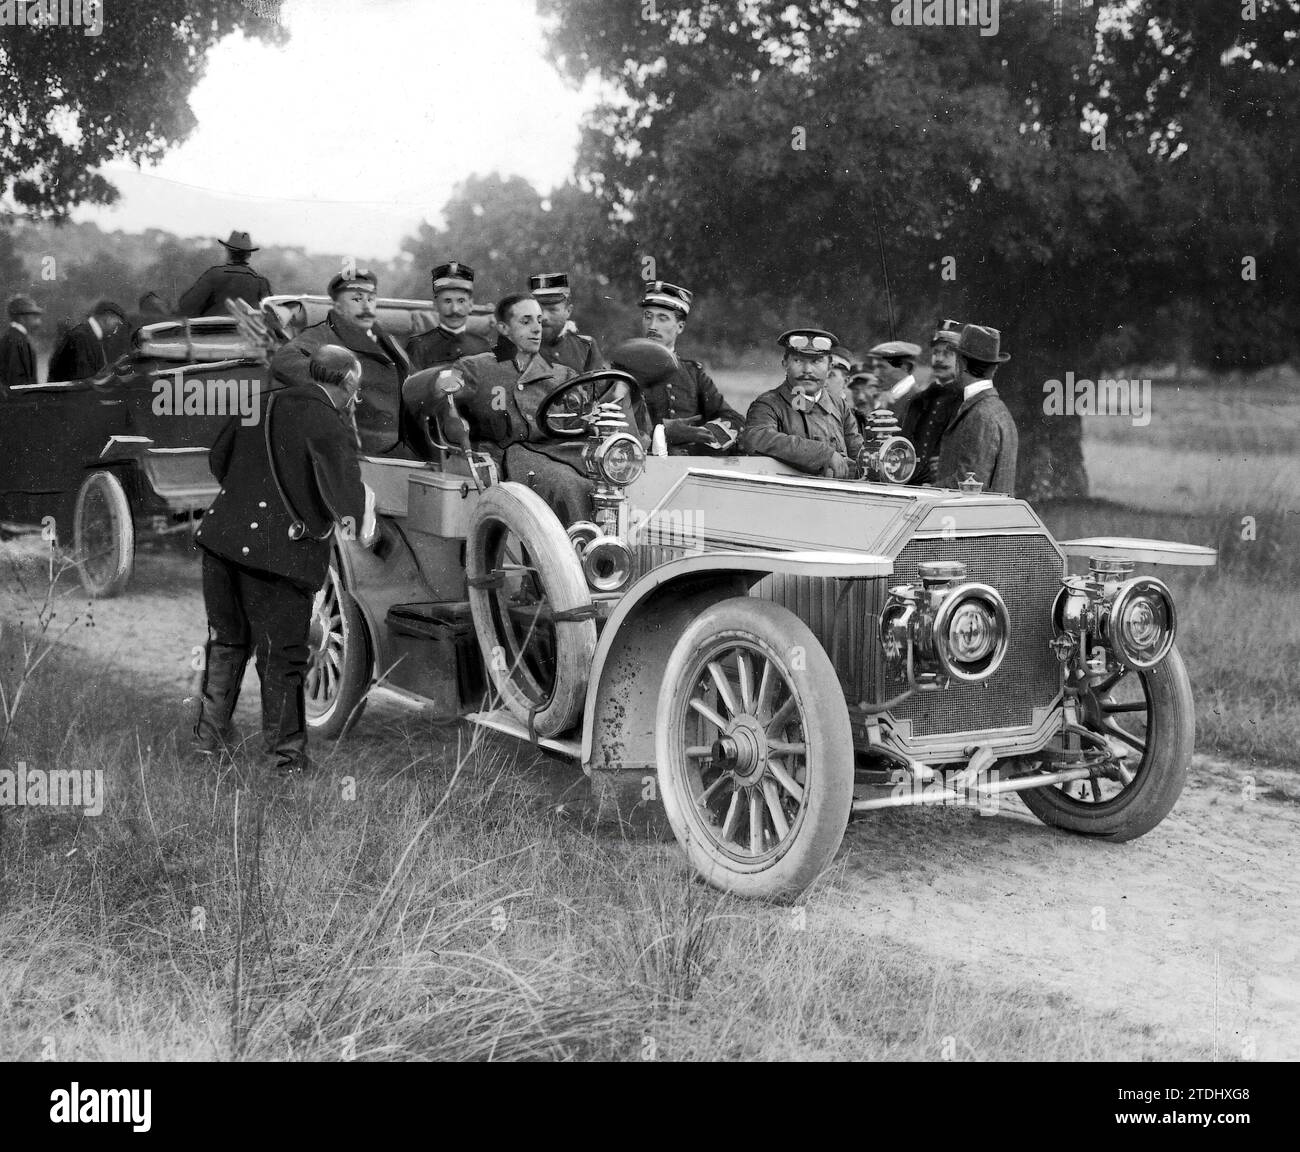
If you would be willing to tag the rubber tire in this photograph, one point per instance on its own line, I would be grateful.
(1171, 736)
(530, 518)
(123, 530)
(829, 784)
(354, 677)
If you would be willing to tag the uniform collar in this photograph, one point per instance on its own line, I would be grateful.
(461, 331)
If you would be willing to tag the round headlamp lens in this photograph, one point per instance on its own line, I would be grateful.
(972, 634)
(1143, 627)
(898, 461)
(623, 460)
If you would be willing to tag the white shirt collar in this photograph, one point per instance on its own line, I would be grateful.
(453, 331)
(902, 388)
(95, 328)
(15, 324)
(975, 388)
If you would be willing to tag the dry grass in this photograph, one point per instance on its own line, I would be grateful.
(425, 900)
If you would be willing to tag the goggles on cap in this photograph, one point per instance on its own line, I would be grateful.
(800, 343)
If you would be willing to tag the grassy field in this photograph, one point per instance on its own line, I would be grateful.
(1219, 464)
(429, 900)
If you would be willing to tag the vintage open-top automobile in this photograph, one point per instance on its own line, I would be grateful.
(762, 652)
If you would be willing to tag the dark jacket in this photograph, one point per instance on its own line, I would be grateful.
(17, 359)
(689, 396)
(439, 347)
(316, 460)
(80, 354)
(208, 294)
(574, 350)
(383, 368)
(980, 438)
(808, 440)
(927, 415)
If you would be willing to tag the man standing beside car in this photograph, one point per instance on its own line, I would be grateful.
(562, 343)
(696, 419)
(803, 422)
(352, 323)
(286, 481)
(17, 356)
(981, 438)
(453, 298)
(235, 279)
(929, 411)
(83, 352)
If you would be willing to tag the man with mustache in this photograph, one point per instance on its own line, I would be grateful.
(803, 422)
(453, 297)
(929, 411)
(351, 323)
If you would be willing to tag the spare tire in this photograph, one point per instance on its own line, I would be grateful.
(533, 614)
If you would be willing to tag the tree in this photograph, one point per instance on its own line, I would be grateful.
(756, 148)
(70, 101)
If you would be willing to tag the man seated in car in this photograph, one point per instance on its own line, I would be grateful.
(803, 422)
(351, 322)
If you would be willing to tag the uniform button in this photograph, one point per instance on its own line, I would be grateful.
(211, 510)
(244, 550)
(261, 503)
(253, 524)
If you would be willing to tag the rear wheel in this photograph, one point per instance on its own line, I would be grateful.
(338, 676)
(754, 749)
(1149, 717)
(532, 611)
(103, 535)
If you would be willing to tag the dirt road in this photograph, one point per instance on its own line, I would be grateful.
(1193, 930)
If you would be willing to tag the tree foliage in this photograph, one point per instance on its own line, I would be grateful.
(754, 148)
(69, 101)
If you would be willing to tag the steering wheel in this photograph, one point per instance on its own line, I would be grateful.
(570, 422)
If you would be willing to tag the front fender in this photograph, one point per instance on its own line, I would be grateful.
(634, 645)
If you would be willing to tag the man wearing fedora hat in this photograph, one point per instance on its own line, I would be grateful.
(453, 298)
(803, 422)
(562, 343)
(981, 438)
(929, 410)
(17, 356)
(697, 420)
(234, 279)
(84, 350)
(352, 323)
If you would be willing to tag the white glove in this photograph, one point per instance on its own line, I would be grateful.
(369, 525)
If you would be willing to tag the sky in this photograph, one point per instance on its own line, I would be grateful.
(358, 128)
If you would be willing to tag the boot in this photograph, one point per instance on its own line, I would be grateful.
(284, 720)
(223, 672)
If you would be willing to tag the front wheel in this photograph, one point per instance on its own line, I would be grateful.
(1149, 717)
(103, 535)
(338, 676)
(754, 749)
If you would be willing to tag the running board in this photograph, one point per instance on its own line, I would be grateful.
(500, 720)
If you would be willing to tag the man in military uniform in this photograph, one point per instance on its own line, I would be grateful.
(234, 279)
(17, 356)
(453, 297)
(894, 362)
(83, 351)
(287, 481)
(696, 419)
(841, 366)
(981, 438)
(351, 323)
(562, 343)
(929, 411)
(803, 422)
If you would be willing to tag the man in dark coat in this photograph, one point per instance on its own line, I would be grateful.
(17, 356)
(84, 351)
(562, 343)
(234, 279)
(696, 418)
(804, 423)
(351, 323)
(981, 438)
(928, 412)
(287, 482)
(453, 297)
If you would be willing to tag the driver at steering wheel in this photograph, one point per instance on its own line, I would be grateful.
(501, 394)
